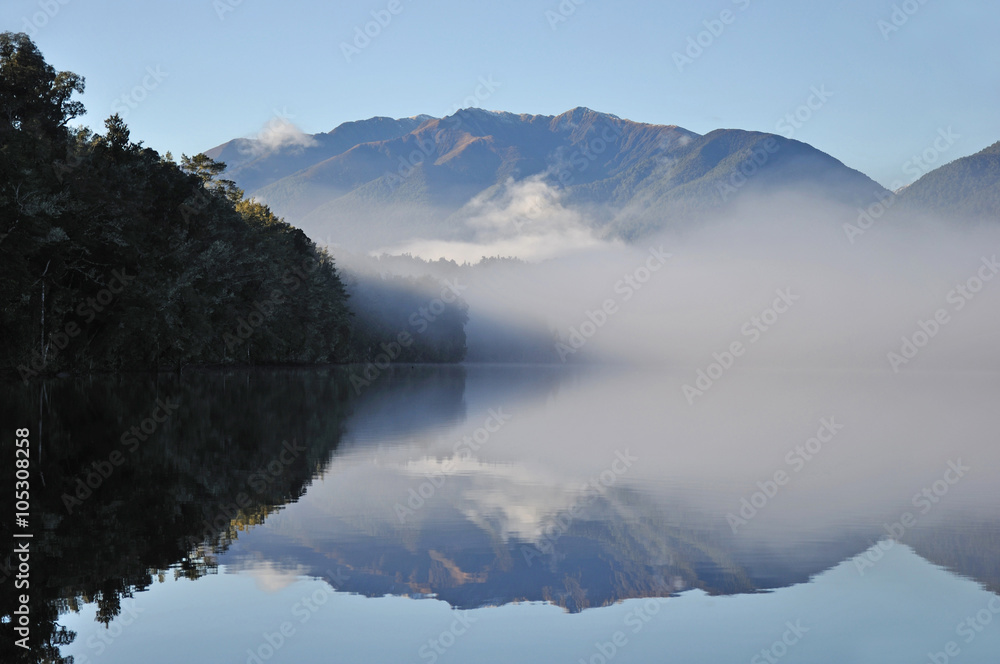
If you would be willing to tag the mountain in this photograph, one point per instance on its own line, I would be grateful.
(419, 185)
(445, 178)
(968, 187)
(716, 169)
(280, 150)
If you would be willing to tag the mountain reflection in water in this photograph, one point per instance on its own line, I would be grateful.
(486, 485)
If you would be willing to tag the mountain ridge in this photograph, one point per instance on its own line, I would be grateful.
(968, 186)
(384, 181)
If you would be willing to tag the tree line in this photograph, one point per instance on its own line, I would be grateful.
(114, 257)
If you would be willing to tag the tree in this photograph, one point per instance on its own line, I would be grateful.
(33, 96)
(113, 257)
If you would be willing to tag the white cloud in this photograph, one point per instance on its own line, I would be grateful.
(279, 134)
(525, 219)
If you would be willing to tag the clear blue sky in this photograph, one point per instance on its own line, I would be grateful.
(225, 77)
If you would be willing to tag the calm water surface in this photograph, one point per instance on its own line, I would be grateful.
(518, 513)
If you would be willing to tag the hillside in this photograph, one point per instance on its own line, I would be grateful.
(625, 178)
(116, 258)
(967, 187)
(279, 151)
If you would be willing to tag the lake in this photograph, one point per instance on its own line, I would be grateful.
(498, 513)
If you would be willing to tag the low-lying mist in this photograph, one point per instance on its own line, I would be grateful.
(781, 281)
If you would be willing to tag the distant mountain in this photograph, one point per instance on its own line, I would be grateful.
(255, 162)
(968, 187)
(381, 181)
(418, 184)
(717, 168)
(472, 549)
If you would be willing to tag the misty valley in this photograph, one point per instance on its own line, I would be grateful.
(492, 386)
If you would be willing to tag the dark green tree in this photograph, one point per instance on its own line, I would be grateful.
(113, 257)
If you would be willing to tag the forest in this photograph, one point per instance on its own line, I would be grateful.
(114, 257)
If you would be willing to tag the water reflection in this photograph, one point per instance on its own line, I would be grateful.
(483, 486)
(113, 508)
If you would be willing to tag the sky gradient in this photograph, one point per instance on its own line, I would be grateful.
(190, 74)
